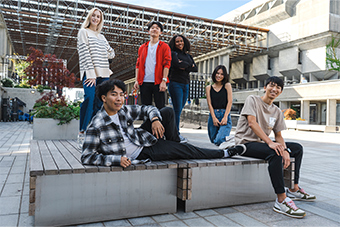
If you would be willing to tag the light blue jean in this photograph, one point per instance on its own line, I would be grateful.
(179, 94)
(217, 134)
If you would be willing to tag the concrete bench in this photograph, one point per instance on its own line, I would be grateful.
(65, 192)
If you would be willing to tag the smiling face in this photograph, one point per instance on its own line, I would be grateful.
(219, 75)
(155, 31)
(272, 90)
(179, 43)
(113, 100)
(95, 18)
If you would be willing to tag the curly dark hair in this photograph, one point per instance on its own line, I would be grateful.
(172, 43)
(109, 85)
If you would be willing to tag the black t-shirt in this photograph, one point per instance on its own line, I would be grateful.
(219, 100)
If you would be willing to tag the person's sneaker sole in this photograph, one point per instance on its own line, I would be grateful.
(299, 199)
(289, 215)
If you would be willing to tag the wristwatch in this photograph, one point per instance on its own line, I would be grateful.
(165, 79)
(287, 149)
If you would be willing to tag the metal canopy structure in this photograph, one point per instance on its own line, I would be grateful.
(52, 26)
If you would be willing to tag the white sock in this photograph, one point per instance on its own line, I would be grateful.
(226, 154)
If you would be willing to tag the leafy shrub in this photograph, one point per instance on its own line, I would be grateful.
(52, 106)
(7, 82)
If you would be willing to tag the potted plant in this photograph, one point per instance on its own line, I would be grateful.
(55, 118)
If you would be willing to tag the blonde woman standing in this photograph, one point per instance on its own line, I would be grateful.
(94, 52)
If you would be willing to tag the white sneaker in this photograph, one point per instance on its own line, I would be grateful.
(288, 207)
(80, 140)
(300, 195)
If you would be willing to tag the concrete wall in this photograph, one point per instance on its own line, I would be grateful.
(288, 62)
(314, 60)
(24, 94)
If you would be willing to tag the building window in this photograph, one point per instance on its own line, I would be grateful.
(245, 68)
(269, 64)
(299, 57)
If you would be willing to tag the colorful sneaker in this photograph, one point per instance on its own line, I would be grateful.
(288, 207)
(182, 139)
(237, 150)
(300, 195)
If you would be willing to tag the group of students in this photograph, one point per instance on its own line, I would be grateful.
(112, 139)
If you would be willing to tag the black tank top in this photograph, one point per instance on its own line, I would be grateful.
(219, 100)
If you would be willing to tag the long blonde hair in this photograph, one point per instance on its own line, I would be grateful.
(86, 23)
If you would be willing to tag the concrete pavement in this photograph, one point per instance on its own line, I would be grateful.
(320, 175)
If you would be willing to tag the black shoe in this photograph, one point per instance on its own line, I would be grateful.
(237, 150)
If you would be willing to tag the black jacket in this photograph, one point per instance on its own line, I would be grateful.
(181, 65)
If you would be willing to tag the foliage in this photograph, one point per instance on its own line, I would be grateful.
(20, 67)
(41, 88)
(48, 70)
(7, 82)
(50, 105)
(290, 114)
(332, 56)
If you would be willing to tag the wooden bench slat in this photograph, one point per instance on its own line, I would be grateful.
(36, 166)
(76, 153)
(49, 165)
(60, 161)
(75, 164)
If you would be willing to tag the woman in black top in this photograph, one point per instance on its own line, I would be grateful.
(219, 98)
(181, 65)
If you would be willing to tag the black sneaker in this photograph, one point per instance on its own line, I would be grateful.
(237, 150)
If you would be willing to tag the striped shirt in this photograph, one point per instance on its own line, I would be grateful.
(94, 52)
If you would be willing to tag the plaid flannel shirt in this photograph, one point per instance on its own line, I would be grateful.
(104, 143)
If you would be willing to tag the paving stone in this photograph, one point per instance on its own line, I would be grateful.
(257, 206)
(321, 212)
(244, 220)
(141, 221)
(98, 224)
(12, 190)
(309, 220)
(221, 221)
(164, 218)
(15, 178)
(9, 220)
(197, 222)
(9, 205)
(266, 215)
(117, 223)
(225, 210)
(26, 220)
(24, 208)
(182, 215)
(204, 213)
(173, 223)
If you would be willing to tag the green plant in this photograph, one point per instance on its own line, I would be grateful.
(52, 106)
(332, 54)
(41, 88)
(7, 82)
(20, 67)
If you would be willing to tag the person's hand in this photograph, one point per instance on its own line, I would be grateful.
(90, 82)
(125, 162)
(216, 122)
(157, 129)
(286, 159)
(162, 86)
(224, 121)
(136, 85)
(278, 148)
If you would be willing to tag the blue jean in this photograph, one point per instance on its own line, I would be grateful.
(86, 107)
(97, 104)
(179, 95)
(217, 134)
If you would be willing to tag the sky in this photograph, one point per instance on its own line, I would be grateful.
(201, 8)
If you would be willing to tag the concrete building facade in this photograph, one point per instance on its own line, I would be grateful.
(301, 32)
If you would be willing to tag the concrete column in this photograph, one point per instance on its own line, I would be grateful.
(331, 112)
(284, 105)
(204, 66)
(305, 110)
(225, 61)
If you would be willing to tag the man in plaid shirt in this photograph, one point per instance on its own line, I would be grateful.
(111, 138)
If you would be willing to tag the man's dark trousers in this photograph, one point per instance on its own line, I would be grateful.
(170, 148)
